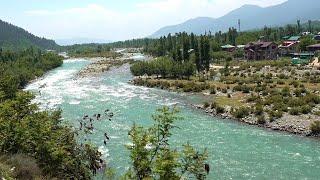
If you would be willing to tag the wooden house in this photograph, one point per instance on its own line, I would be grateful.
(261, 51)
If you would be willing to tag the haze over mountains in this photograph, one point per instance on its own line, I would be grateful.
(251, 17)
(72, 41)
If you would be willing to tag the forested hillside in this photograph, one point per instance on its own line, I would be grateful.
(16, 38)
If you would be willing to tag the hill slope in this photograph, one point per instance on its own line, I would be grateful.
(251, 16)
(16, 38)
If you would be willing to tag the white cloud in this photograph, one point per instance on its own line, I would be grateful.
(97, 21)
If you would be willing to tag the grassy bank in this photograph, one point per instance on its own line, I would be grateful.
(272, 94)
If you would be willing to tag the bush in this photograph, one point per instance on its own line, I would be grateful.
(258, 110)
(306, 109)
(295, 111)
(213, 90)
(206, 105)
(261, 119)
(315, 127)
(220, 110)
(273, 115)
(241, 112)
(243, 88)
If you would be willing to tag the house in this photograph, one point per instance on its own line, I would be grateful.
(294, 38)
(228, 48)
(314, 48)
(289, 46)
(306, 33)
(261, 51)
(301, 58)
(316, 37)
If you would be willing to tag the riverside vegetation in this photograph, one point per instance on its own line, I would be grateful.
(266, 93)
(37, 144)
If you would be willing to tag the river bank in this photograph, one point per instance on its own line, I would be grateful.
(229, 101)
(236, 151)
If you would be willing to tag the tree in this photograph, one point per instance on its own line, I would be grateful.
(197, 58)
(299, 26)
(153, 158)
(306, 41)
(205, 53)
(310, 26)
(185, 47)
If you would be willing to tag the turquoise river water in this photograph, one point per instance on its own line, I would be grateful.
(236, 151)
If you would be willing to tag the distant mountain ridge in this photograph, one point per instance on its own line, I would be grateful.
(251, 16)
(15, 38)
(73, 41)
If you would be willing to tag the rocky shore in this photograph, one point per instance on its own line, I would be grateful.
(101, 64)
(299, 125)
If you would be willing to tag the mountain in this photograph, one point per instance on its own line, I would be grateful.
(251, 16)
(16, 38)
(73, 41)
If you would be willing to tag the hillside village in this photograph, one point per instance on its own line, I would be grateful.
(289, 47)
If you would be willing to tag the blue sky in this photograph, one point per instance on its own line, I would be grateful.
(111, 19)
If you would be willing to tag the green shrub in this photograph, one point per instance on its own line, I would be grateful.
(206, 105)
(261, 119)
(273, 115)
(294, 84)
(285, 92)
(224, 90)
(213, 90)
(220, 110)
(213, 105)
(241, 112)
(253, 98)
(315, 127)
(243, 88)
(295, 111)
(258, 110)
(306, 109)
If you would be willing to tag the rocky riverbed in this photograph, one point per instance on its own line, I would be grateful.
(101, 64)
(293, 124)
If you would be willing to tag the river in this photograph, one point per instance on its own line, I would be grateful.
(236, 151)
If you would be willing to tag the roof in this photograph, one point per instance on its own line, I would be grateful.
(285, 37)
(227, 46)
(259, 43)
(314, 46)
(303, 54)
(287, 44)
(241, 46)
(266, 44)
(294, 38)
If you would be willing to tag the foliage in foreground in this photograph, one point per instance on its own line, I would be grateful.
(39, 135)
(153, 158)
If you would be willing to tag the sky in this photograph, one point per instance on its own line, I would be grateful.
(111, 19)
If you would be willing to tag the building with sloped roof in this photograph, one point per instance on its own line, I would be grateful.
(314, 47)
(261, 51)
